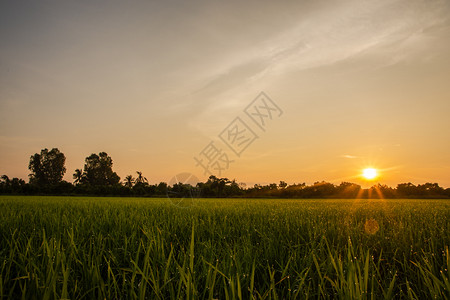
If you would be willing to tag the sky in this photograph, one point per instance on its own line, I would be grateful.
(152, 83)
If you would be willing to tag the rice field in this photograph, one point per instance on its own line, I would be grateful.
(149, 248)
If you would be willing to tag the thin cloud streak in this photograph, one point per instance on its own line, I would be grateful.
(323, 38)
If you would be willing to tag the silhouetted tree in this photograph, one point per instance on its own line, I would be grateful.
(98, 178)
(429, 190)
(140, 179)
(16, 184)
(234, 189)
(406, 189)
(273, 186)
(47, 167)
(294, 190)
(129, 181)
(4, 180)
(218, 184)
(181, 190)
(217, 187)
(447, 192)
(319, 190)
(381, 191)
(98, 170)
(141, 186)
(11, 186)
(161, 189)
(78, 176)
(348, 190)
(4, 184)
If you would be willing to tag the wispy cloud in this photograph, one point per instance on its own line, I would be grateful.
(338, 33)
(327, 36)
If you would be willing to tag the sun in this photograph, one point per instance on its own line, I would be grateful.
(370, 173)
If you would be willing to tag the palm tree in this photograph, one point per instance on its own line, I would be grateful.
(140, 179)
(78, 176)
(129, 180)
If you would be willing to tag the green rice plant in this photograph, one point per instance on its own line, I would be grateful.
(137, 248)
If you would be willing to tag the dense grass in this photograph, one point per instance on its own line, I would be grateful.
(121, 248)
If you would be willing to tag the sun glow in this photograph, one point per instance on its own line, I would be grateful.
(370, 173)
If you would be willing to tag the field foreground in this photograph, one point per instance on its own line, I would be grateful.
(122, 248)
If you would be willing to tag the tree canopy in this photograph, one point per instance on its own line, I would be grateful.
(98, 178)
(97, 171)
(47, 167)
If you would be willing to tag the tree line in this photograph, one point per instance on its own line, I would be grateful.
(98, 178)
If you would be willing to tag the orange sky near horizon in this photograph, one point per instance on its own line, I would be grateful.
(361, 84)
